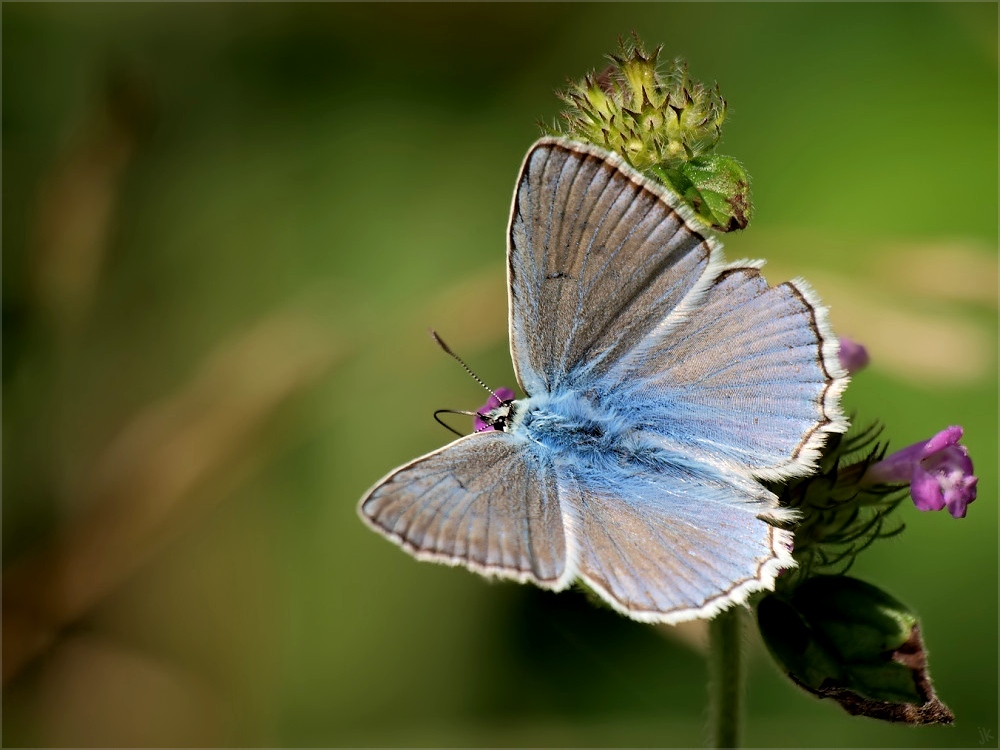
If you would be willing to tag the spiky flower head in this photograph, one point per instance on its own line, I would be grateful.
(652, 118)
(664, 124)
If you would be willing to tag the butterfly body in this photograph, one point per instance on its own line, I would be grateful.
(663, 386)
(570, 425)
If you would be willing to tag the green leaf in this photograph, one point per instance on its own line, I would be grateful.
(841, 638)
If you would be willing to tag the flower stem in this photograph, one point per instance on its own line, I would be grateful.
(725, 678)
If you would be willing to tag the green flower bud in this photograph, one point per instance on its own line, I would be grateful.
(841, 638)
(664, 124)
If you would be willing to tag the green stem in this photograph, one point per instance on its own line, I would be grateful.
(725, 678)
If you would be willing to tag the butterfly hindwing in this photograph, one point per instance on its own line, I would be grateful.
(751, 379)
(657, 551)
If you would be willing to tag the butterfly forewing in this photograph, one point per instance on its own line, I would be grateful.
(597, 257)
(487, 501)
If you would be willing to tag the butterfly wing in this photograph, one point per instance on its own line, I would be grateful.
(659, 550)
(751, 380)
(487, 501)
(597, 257)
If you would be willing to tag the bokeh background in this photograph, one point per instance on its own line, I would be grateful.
(226, 231)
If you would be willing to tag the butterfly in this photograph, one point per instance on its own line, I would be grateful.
(662, 386)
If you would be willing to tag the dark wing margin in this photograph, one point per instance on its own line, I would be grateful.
(486, 501)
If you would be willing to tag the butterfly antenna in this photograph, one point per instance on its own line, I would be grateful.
(452, 411)
(458, 359)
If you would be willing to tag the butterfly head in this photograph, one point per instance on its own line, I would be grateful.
(498, 416)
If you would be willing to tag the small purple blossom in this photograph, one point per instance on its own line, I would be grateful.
(498, 397)
(853, 356)
(939, 472)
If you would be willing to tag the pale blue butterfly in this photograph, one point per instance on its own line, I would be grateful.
(662, 387)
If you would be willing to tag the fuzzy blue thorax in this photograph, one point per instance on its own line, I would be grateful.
(570, 424)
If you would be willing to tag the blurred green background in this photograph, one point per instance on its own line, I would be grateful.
(227, 229)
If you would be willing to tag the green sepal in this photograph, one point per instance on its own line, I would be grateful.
(839, 515)
(717, 187)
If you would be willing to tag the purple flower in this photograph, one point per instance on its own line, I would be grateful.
(938, 471)
(499, 396)
(853, 356)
